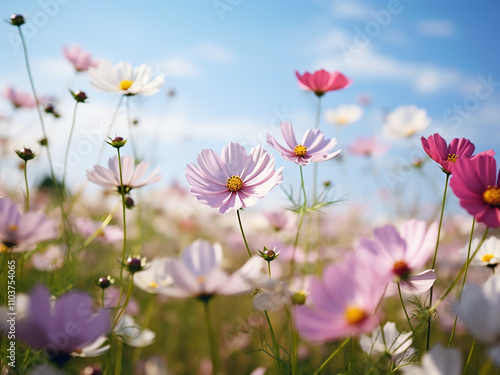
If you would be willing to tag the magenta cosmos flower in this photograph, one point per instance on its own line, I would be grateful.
(198, 273)
(20, 232)
(80, 59)
(476, 185)
(367, 147)
(235, 179)
(132, 176)
(446, 155)
(322, 81)
(397, 256)
(62, 327)
(344, 302)
(19, 99)
(313, 147)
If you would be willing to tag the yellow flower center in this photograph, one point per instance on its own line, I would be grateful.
(341, 120)
(354, 315)
(492, 195)
(234, 183)
(153, 285)
(487, 257)
(125, 84)
(452, 157)
(200, 279)
(401, 269)
(13, 228)
(300, 150)
(411, 130)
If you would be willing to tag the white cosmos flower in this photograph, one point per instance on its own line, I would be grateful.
(405, 121)
(132, 334)
(154, 277)
(392, 342)
(439, 361)
(487, 255)
(94, 349)
(344, 114)
(123, 78)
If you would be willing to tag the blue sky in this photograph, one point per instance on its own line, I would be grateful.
(232, 63)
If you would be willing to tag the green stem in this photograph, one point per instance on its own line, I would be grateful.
(37, 101)
(119, 355)
(127, 300)
(269, 268)
(67, 149)
(434, 259)
(315, 167)
(463, 281)
(404, 309)
(110, 127)
(469, 356)
(243, 233)
(211, 338)
(127, 105)
(304, 207)
(276, 348)
(344, 343)
(27, 188)
(148, 315)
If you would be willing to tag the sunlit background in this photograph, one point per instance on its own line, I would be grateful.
(230, 76)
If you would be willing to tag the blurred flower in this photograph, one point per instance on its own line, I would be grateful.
(131, 175)
(392, 342)
(111, 296)
(154, 277)
(343, 303)
(367, 147)
(398, 255)
(67, 326)
(475, 184)
(281, 219)
(122, 78)
(322, 81)
(344, 114)
(488, 255)
(52, 259)
(80, 59)
(234, 180)
(20, 232)
(198, 273)
(273, 297)
(446, 155)
(19, 99)
(312, 148)
(87, 227)
(132, 334)
(94, 349)
(405, 121)
(438, 361)
(479, 309)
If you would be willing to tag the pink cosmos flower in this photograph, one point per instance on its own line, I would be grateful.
(367, 147)
(109, 234)
(66, 326)
(322, 81)
(398, 255)
(20, 232)
(476, 185)
(80, 59)
(19, 99)
(235, 179)
(198, 273)
(446, 155)
(343, 302)
(313, 147)
(132, 176)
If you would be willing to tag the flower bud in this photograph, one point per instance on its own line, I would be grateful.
(269, 254)
(135, 264)
(49, 108)
(79, 96)
(25, 154)
(299, 298)
(105, 282)
(43, 142)
(117, 142)
(17, 19)
(129, 202)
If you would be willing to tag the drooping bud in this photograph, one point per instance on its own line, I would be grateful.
(25, 154)
(17, 19)
(50, 109)
(129, 202)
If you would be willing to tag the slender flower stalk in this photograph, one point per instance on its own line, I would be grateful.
(463, 281)
(67, 149)
(124, 206)
(296, 242)
(37, 101)
(315, 168)
(276, 348)
(243, 233)
(113, 118)
(212, 339)
(404, 309)
(467, 362)
(129, 122)
(27, 188)
(344, 343)
(435, 256)
(127, 300)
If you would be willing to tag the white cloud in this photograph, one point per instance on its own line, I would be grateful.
(349, 9)
(179, 67)
(436, 28)
(215, 53)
